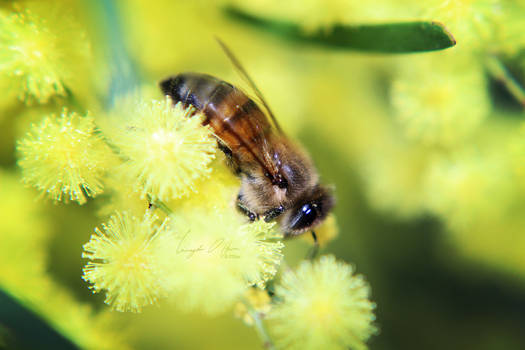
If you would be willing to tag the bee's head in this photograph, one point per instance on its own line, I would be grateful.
(309, 212)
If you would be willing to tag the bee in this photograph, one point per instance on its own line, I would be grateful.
(278, 179)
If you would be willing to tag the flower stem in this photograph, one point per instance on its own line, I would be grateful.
(160, 204)
(260, 328)
(498, 70)
(110, 144)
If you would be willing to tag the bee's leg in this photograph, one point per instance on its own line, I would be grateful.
(244, 209)
(273, 213)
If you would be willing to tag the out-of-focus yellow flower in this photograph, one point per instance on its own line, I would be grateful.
(119, 195)
(466, 186)
(125, 261)
(165, 150)
(471, 21)
(77, 322)
(311, 14)
(64, 158)
(478, 192)
(440, 99)
(509, 33)
(218, 255)
(40, 46)
(516, 151)
(323, 307)
(23, 232)
(318, 14)
(255, 300)
(24, 238)
(395, 176)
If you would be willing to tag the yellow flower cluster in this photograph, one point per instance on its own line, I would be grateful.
(456, 150)
(171, 229)
(194, 251)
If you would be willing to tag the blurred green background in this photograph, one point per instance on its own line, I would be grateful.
(425, 151)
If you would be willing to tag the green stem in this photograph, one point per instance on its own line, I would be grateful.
(260, 328)
(160, 204)
(110, 144)
(498, 70)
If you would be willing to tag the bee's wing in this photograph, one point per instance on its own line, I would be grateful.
(248, 80)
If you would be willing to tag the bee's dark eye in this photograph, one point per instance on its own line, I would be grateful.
(305, 216)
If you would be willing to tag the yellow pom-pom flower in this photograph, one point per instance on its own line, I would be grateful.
(323, 306)
(166, 150)
(125, 261)
(218, 255)
(39, 45)
(64, 158)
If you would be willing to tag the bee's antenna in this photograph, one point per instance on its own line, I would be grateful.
(312, 254)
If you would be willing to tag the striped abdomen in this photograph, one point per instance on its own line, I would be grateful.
(235, 119)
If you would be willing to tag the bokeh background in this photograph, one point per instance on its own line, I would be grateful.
(426, 152)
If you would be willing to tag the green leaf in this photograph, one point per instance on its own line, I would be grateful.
(402, 37)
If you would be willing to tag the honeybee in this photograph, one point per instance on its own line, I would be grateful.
(278, 179)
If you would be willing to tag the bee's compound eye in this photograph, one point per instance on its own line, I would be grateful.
(305, 217)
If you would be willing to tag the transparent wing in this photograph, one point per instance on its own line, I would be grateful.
(248, 80)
